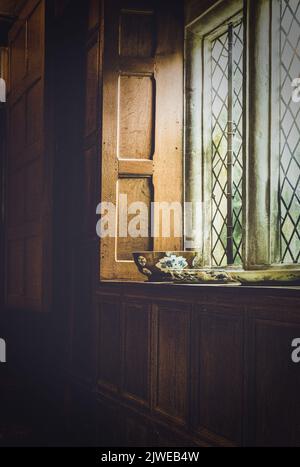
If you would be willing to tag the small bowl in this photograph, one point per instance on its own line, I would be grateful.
(156, 265)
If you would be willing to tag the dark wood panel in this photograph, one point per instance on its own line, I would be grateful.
(94, 13)
(17, 132)
(81, 162)
(16, 198)
(171, 353)
(33, 191)
(83, 416)
(275, 407)
(231, 383)
(219, 373)
(15, 268)
(82, 359)
(18, 57)
(138, 431)
(28, 190)
(60, 6)
(110, 424)
(90, 191)
(109, 365)
(34, 116)
(33, 267)
(92, 91)
(166, 437)
(35, 38)
(136, 365)
(137, 36)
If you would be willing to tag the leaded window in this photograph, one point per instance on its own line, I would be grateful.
(289, 191)
(243, 96)
(227, 145)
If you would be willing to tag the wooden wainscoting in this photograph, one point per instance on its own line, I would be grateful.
(28, 209)
(171, 349)
(196, 366)
(218, 372)
(136, 331)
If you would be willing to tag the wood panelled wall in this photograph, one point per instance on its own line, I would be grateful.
(84, 258)
(40, 354)
(27, 207)
(197, 366)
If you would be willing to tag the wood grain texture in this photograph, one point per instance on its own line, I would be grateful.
(136, 117)
(18, 57)
(171, 362)
(129, 167)
(92, 91)
(34, 116)
(94, 13)
(220, 384)
(275, 384)
(137, 33)
(35, 39)
(90, 192)
(136, 329)
(26, 185)
(142, 112)
(221, 372)
(109, 364)
(17, 133)
(136, 190)
(168, 155)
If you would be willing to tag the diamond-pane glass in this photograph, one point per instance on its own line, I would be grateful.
(289, 132)
(227, 146)
(237, 170)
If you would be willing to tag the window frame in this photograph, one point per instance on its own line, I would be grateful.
(261, 222)
(198, 151)
(275, 116)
